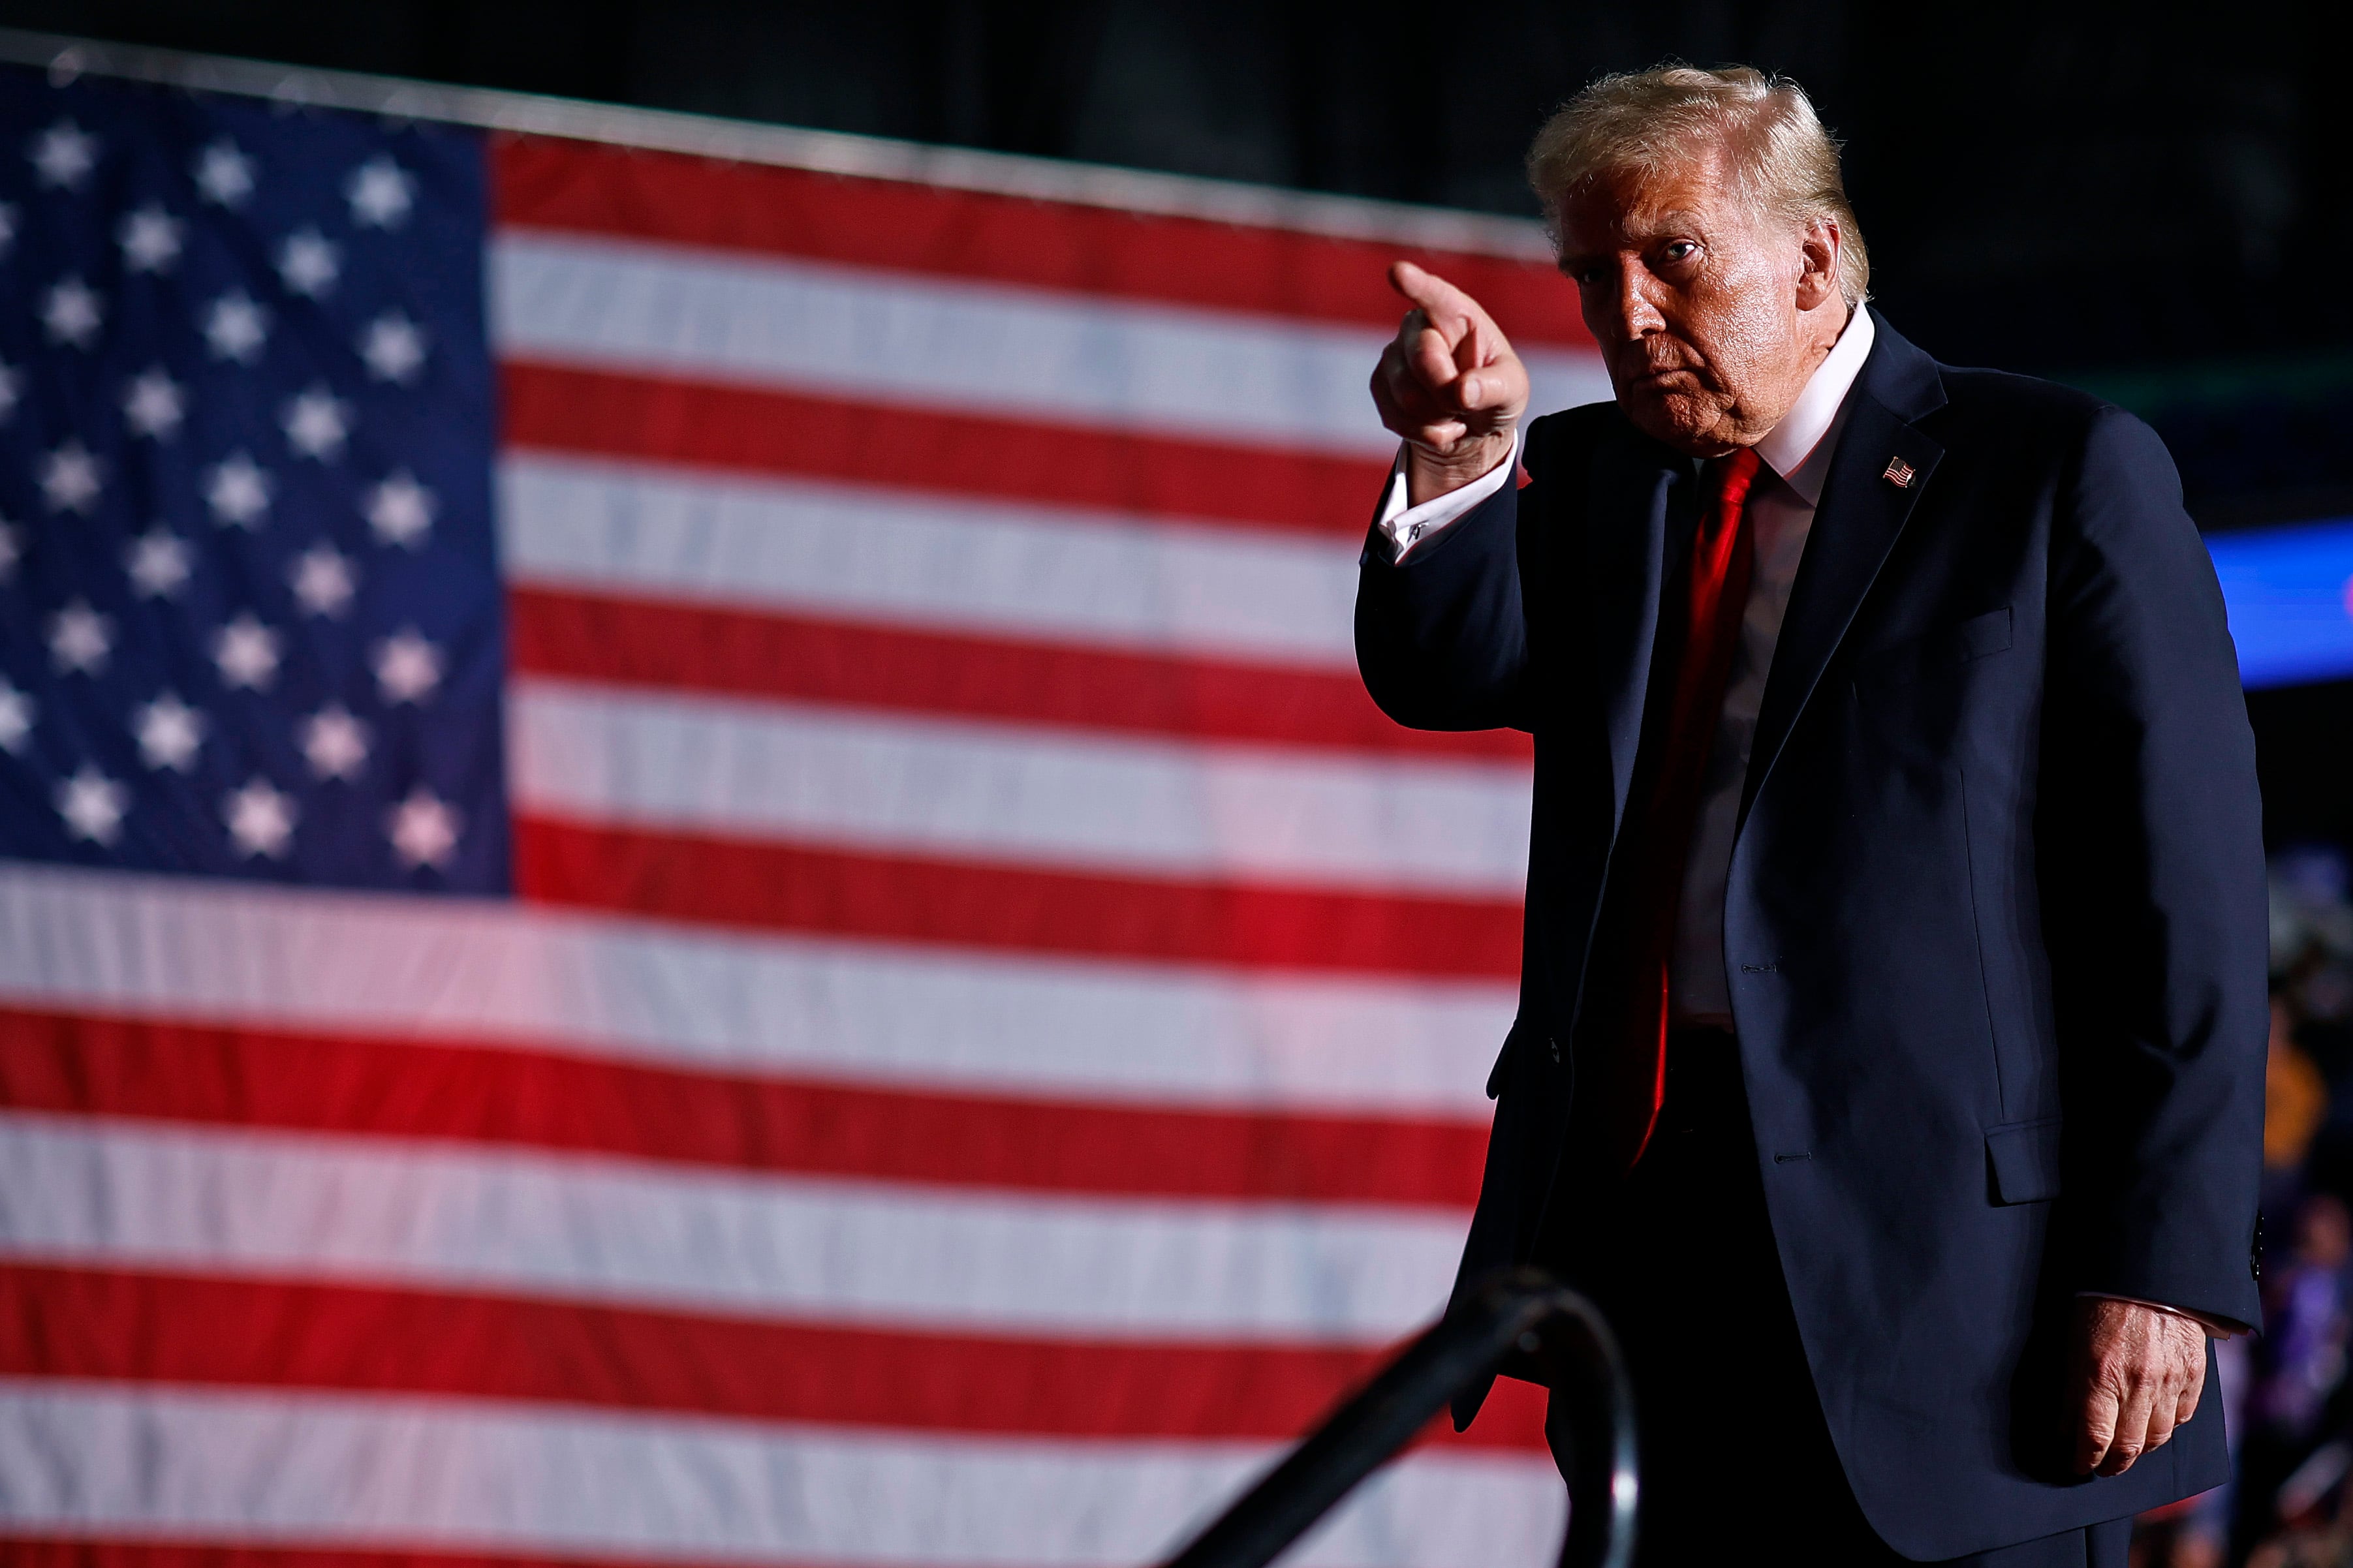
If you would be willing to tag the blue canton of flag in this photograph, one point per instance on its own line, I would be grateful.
(249, 605)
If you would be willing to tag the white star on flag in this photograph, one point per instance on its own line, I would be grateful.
(70, 479)
(236, 328)
(321, 578)
(246, 652)
(309, 263)
(16, 711)
(223, 174)
(169, 732)
(238, 490)
(12, 386)
(150, 238)
(335, 743)
(423, 829)
(407, 667)
(71, 310)
(381, 193)
(316, 424)
(152, 403)
(393, 348)
(63, 155)
(159, 562)
(80, 639)
(92, 805)
(400, 510)
(261, 819)
(12, 550)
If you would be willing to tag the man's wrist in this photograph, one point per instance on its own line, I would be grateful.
(1406, 524)
(2216, 1328)
(1429, 475)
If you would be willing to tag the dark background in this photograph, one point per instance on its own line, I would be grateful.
(2153, 201)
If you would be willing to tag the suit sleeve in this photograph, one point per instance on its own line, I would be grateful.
(1441, 638)
(2152, 866)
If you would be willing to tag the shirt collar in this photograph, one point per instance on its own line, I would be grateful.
(1795, 449)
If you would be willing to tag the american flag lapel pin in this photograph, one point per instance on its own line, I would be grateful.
(1899, 473)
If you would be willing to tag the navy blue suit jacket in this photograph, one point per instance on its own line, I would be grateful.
(1995, 924)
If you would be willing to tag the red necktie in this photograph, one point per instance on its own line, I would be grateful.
(1721, 561)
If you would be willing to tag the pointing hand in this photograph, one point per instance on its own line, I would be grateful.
(1448, 385)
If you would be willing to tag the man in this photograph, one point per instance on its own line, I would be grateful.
(1889, 1062)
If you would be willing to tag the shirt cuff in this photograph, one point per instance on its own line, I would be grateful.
(1408, 526)
(2216, 1328)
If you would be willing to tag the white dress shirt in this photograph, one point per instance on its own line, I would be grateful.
(1796, 457)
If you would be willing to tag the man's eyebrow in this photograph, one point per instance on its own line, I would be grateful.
(1655, 223)
(1636, 229)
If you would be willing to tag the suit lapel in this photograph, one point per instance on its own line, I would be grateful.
(1628, 556)
(1863, 513)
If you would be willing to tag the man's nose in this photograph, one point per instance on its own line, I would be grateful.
(1629, 315)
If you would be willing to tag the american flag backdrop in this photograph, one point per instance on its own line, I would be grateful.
(691, 865)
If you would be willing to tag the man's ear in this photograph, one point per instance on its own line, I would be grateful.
(1818, 250)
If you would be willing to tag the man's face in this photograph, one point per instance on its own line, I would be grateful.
(1710, 318)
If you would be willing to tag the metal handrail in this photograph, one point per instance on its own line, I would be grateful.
(1516, 1310)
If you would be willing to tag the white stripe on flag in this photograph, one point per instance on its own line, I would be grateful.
(281, 1469)
(941, 563)
(1071, 359)
(174, 947)
(589, 1228)
(1003, 793)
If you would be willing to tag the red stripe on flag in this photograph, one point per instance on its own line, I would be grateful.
(183, 1329)
(546, 183)
(238, 1075)
(636, 641)
(763, 430)
(777, 886)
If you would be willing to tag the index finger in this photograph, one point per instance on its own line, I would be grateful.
(1438, 300)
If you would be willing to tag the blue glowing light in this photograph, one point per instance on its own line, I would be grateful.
(2288, 589)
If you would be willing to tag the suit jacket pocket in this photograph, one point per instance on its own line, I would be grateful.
(2022, 1160)
(1975, 638)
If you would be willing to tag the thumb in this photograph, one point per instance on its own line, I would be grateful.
(1499, 385)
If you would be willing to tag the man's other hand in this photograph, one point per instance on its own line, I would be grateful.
(1448, 385)
(2137, 1375)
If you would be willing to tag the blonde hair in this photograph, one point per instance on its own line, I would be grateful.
(1778, 152)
